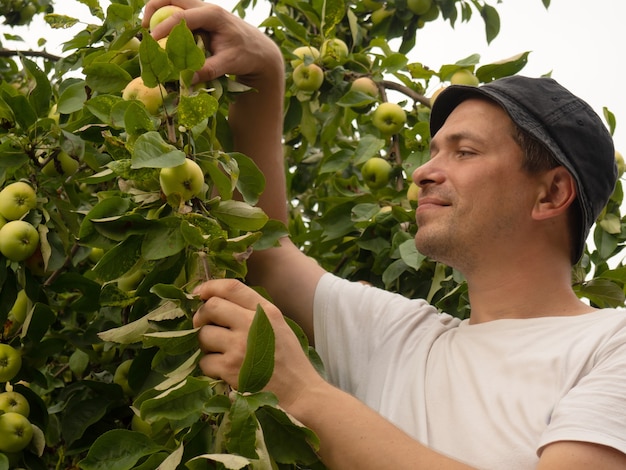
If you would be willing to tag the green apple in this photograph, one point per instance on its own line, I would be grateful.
(308, 77)
(61, 165)
(140, 425)
(435, 94)
(152, 98)
(14, 402)
(621, 165)
(186, 179)
(2, 221)
(18, 240)
(54, 113)
(162, 14)
(10, 362)
(127, 51)
(16, 200)
(20, 307)
(378, 16)
(120, 376)
(130, 281)
(96, 254)
(305, 54)
(419, 7)
(389, 118)
(365, 85)
(464, 77)
(16, 432)
(376, 172)
(412, 192)
(334, 52)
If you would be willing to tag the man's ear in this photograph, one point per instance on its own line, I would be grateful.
(557, 191)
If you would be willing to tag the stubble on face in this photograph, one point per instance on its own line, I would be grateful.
(482, 193)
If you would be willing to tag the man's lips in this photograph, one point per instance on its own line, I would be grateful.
(430, 202)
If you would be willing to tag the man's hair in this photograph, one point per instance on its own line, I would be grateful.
(537, 159)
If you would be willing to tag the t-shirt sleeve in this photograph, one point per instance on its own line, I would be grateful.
(353, 320)
(594, 410)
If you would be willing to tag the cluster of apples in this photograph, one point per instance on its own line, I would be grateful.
(16, 430)
(18, 238)
(187, 179)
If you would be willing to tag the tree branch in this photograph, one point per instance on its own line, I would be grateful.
(44, 54)
(407, 91)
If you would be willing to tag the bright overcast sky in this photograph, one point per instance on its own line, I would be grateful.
(581, 42)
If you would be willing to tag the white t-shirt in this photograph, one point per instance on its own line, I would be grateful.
(491, 394)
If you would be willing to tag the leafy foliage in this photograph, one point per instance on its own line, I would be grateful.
(109, 351)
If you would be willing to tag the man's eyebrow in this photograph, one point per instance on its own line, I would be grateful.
(456, 137)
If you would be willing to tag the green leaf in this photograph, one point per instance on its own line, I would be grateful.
(229, 461)
(173, 342)
(101, 106)
(258, 364)
(192, 110)
(239, 215)
(164, 239)
(492, 21)
(183, 50)
(133, 332)
(120, 449)
(151, 151)
(41, 96)
(503, 68)
(241, 439)
(156, 67)
(119, 259)
(106, 77)
(73, 98)
(183, 402)
(251, 181)
(137, 119)
(287, 441)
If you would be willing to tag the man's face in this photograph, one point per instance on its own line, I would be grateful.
(475, 201)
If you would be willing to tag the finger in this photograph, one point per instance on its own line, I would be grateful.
(222, 312)
(217, 366)
(216, 339)
(233, 291)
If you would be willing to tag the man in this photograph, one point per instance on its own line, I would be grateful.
(535, 379)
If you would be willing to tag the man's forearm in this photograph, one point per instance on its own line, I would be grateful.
(354, 436)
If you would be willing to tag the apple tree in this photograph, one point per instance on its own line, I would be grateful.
(122, 193)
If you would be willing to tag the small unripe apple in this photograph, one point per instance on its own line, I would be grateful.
(20, 307)
(308, 77)
(18, 240)
(389, 118)
(464, 77)
(186, 179)
(302, 53)
(334, 52)
(419, 7)
(376, 172)
(14, 402)
(61, 165)
(365, 85)
(412, 192)
(16, 200)
(10, 362)
(162, 14)
(152, 98)
(16, 432)
(435, 94)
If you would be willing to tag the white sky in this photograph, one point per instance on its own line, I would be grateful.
(584, 46)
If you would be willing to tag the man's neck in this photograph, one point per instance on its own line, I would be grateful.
(523, 291)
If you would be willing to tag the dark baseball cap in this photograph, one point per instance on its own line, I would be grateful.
(563, 122)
